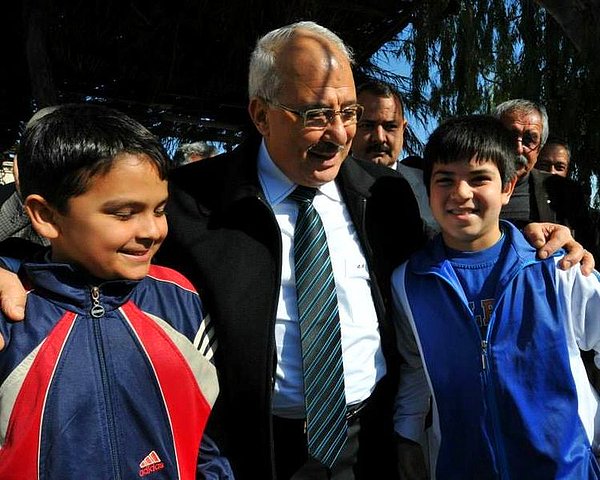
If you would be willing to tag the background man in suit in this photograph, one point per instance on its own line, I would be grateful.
(555, 158)
(380, 138)
(540, 196)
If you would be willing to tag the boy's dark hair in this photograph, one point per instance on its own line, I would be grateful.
(61, 151)
(482, 137)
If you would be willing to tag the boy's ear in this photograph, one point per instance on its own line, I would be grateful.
(42, 216)
(258, 109)
(508, 190)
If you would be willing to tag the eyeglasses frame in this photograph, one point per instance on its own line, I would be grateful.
(332, 113)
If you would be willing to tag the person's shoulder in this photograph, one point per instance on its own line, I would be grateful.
(413, 161)
(202, 172)
(208, 178)
(165, 275)
(565, 194)
(6, 190)
(373, 169)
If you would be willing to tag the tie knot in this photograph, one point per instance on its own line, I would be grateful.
(303, 195)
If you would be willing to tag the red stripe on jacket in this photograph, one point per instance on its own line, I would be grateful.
(20, 455)
(187, 408)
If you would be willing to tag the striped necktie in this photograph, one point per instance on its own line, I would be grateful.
(324, 397)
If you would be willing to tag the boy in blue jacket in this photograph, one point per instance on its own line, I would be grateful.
(113, 379)
(490, 334)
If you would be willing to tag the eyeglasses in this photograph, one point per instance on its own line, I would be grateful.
(528, 140)
(321, 117)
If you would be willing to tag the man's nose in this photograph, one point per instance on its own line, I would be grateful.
(379, 134)
(520, 149)
(337, 132)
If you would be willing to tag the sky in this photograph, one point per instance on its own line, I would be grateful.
(401, 67)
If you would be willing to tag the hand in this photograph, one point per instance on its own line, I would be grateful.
(549, 237)
(12, 298)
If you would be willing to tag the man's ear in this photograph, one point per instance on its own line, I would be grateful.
(508, 190)
(42, 215)
(258, 109)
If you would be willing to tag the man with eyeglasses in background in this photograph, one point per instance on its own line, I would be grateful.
(528, 122)
(540, 196)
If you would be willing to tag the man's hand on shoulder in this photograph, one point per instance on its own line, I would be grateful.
(549, 237)
(12, 298)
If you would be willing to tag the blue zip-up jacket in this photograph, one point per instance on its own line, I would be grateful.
(513, 405)
(105, 380)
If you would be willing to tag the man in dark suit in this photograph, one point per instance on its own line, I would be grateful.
(540, 196)
(231, 232)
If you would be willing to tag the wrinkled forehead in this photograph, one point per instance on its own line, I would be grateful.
(380, 107)
(553, 150)
(313, 62)
(523, 120)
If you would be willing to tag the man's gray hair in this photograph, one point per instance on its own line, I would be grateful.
(186, 150)
(263, 79)
(525, 106)
(41, 113)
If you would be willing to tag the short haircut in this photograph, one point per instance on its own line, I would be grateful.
(379, 88)
(525, 106)
(460, 139)
(185, 150)
(561, 143)
(61, 151)
(264, 77)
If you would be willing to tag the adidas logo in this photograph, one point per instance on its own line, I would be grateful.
(151, 464)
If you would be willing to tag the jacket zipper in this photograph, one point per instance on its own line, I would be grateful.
(491, 400)
(97, 311)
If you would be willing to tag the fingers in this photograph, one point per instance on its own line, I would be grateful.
(557, 237)
(575, 253)
(549, 237)
(535, 234)
(587, 263)
(12, 296)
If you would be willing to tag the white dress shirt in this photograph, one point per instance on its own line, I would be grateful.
(363, 359)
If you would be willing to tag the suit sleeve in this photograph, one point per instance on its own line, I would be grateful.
(413, 396)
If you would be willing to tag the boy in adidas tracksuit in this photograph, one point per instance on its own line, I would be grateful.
(490, 333)
(111, 378)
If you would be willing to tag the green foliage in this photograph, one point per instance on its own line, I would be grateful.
(468, 56)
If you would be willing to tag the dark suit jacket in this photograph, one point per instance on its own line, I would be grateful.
(223, 235)
(560, 200)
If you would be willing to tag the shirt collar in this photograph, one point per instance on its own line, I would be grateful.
(277, 186)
